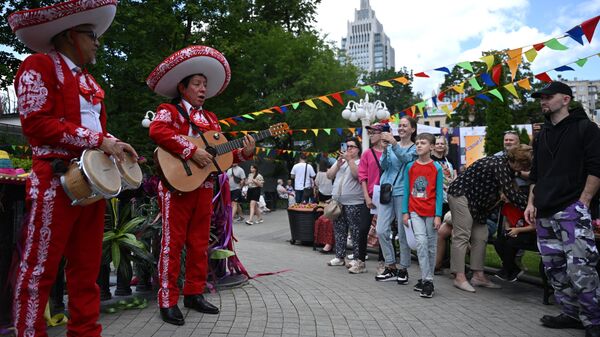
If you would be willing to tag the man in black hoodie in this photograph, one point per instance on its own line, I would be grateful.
(565, 176)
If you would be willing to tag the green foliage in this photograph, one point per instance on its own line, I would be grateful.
(524, 137)
(24, 163)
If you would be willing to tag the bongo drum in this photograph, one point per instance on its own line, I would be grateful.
(131, 173)
(93, 177)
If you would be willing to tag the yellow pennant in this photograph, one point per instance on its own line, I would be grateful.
(459, 88)
(513, 64)
(385, 84)
(244, 132)
(525, 84)
(310, 103)
(511, 88)
(489, 61)
(315, 131)
(531, 54)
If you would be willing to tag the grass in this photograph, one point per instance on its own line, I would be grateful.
(530, 261)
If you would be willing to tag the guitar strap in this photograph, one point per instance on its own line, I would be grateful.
(196, 129)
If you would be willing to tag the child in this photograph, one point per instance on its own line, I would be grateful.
(423, 198)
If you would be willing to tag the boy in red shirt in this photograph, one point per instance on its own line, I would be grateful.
(422, 208)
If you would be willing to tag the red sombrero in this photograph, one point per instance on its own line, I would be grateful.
(36, 27)
(189, 61)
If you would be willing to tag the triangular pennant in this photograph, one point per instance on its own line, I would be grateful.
(278, 109)
(295, 105)
(513, 65)
(514, 53)
(538, 46)
(239, 119)
(421, 106)
(589, 26)
(315, 131)
(496, 93)
(248, 116)
(310, 103)
(413, 111)
(340, 131)
(268, 152)
(489, 61)
(351, 92)
(496, 72)
(222, 121)
(564, 68)
(258, 113)
(487, 79)
(576, 33)
(386, 84)
(401, 80)
(484, 97)
(326, 100)
(454, 105)
(446, 109)
(555, 45)
(283, 108)
(470, 101)
(443, 69)
(234, 133)
(531, 54)
(338, 97)
(368, 89)
(244, 132)
(581, 62)
(459, 88)
(441, 95)
(328, 131)
(543, 77)
(473, 82)
(511, 88)
(352, 130)
(524, 83)
(465, 65)
(434, 100)
(421, 74)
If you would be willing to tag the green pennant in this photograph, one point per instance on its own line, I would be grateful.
(465, 65)
(248, 116)
(268, 151)
(581, 62)
(368, 88)
(554, 44)
(328, 131)
(421, 106)
(497, 93)
(475, 84)
(295, 105)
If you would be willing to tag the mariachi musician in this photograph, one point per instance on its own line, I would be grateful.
(188, 76)
(62, 113)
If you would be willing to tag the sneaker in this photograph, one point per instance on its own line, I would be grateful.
(335, 262)
(249, 223)
(402, 276)
(427, 291)
(419, 285)
(509, 277)
(380, 267)
(358, 267)
(259, 221)
(350, 263)
(562, 321)
(239, 219)
(388, 274)
(351, 257)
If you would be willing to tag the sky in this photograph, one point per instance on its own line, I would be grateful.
(428, 34)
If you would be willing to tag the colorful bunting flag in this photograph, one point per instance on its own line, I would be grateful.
(401, 80)
(487, 79)
(470, 101)
(543, 77)
(338, 98)
(581, 62)
(473, 82)
(368, 89)
(443, 69)
(351, 93)
(538, 46)
(564, 68)
(589, 27)
(497, 93)
(465, 65)
(555, 45)
(513, 65)
(524, 83)
(295, 105)
(484, 97)
(421, 74)
(326, 100)
(489, 61)
(531, 54)
(514, 53)
(576, 33)
(496, 72)
(310, 103)
(511, 88)
(459, 88)
(385, 84)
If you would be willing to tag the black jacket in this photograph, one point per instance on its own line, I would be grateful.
(563, 156)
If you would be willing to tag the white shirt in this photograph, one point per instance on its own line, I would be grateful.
(298, 173)
(90, 113)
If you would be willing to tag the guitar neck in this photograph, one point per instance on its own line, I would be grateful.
(238, 143)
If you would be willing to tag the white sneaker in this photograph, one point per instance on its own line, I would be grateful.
(358, 268)
(351, 257)
(335, 262)
(351, 263)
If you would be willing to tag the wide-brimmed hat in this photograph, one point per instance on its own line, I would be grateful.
(190, 61)
(36, 27)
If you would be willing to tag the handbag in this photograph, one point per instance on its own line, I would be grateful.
(333, 208)
(385, 192)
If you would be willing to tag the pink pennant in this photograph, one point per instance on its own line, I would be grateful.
(589, 26)
(543, 77)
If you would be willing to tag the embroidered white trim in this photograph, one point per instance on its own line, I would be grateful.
(24, 266)
(23, 19)
(42, 255)
(44, 150)
(163, 115)
(31, 92)
(186, 144)
(163, 261)
(83, 138)
(57, 66)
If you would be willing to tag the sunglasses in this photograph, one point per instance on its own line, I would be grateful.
(511, 132)
(90, 33)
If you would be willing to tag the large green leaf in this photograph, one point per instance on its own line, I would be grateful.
(108, 236)
(132, 224)
(116, 254)
(219, 254)
(125, 241)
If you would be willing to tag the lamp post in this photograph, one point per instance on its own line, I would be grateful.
(367, 112)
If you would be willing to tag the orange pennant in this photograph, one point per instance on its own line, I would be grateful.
(326, 100)
(513, 64)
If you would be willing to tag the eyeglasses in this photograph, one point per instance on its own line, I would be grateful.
(90, 33)
(511, 132)
(354, 146)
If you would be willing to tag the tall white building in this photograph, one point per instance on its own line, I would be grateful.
(366, 45)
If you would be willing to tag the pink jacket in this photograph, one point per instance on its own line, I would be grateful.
(369, 170)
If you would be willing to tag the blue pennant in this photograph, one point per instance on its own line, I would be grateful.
(487, 80)
(564, 68)
(576, 33)
(434, 100)
(283, 109)
(239, 119)
(351, 92)
(483, 97)
(444, 69)
(340, 131)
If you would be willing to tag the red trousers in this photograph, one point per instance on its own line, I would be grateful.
(54, 228)
(185, 221)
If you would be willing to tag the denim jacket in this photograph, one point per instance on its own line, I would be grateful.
(393, 161)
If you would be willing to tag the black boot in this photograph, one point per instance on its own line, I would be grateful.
(199, 303)
(172, 315)
(561, 321)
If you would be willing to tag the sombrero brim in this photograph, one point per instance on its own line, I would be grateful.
(36, 27)
(189, 61)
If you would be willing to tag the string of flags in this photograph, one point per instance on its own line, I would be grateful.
(515, 57)
(267, 151)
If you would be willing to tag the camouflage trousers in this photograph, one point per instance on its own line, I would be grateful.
(566, 243)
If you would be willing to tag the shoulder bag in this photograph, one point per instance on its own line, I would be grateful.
(333, 208)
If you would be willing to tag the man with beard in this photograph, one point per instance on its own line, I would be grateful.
(565, 176)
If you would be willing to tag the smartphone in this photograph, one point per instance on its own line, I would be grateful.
(343, 147)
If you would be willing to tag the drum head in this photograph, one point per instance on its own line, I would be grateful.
(101, 171)
(130, 171)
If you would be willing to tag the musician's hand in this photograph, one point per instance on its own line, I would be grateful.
(117, 148)
(202, 158)
(249, 146)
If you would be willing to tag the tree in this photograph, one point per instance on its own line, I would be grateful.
(400, 96)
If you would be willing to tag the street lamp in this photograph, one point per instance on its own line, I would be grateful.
(367, 112)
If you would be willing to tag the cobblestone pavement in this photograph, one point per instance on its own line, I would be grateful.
(312, 299)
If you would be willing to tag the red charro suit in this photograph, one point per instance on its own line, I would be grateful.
(48, 104)
(185, 216)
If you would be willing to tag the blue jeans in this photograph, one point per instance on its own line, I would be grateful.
(426, 237)
(385, 217)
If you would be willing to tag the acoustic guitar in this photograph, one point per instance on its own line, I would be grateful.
(187, 175)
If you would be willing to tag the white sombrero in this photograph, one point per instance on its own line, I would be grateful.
(36, 27)
(189, 61)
